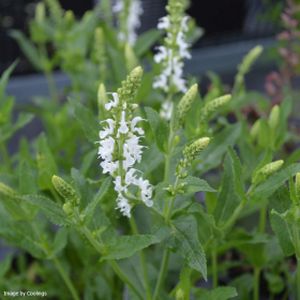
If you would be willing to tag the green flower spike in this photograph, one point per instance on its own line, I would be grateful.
(186, 102)
(213, 105)
(65, 190)
(266, 171)
(130, 86)
(274, 117)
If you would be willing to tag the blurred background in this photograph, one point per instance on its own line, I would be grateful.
(231, 28)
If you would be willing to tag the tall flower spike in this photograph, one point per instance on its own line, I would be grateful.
(119, 145)
(129, 12)
(174, 50)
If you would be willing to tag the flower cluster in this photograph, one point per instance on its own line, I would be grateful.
(119, 147)
(175, 49)
(129, 18)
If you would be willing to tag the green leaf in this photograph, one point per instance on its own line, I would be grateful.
(146, 41)
(212, 156)
(60, 241)
(159, 128)
(232, 190)
(46, 163)
(220, 293)
(5, 265)
(267, 188)
(87, 120)
(49, 208)
(90, 209)
(27, 178)
(22, 235)
(195, 184)
(28, 48)
(280, 228)
(4, 79)
(126, 246)
(188, 244)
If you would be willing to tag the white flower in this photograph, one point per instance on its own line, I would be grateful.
(124, 206)
(112, 103)
(108, 130)
(134, 129)
(133, 21)
(166, 110)
(164, 23)
(123, 124)
(123, 134)
(109, 167)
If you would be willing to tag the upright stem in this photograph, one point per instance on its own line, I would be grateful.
(162, 272)
(214, 260)
(256, 283)
(113, 263)
(51, 86)
(142, 262)
(66, 279)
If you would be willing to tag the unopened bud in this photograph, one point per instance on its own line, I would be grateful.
(186, 102)
(68, 208)
(266, 171)
(69, 18)
(131, 85)
(190, 152)
(274, 117)
(255, 129)
(214, 105)
(180, 294)
(130, 57)
(102, 96)
(271, 168)
(65, 190)
(40, 12)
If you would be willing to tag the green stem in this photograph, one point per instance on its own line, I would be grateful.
(162, 273)
(214, 260)
(256, 283)
(99, 248)
(51, 86)
(66, 279)
(6, 159)
(142, 262)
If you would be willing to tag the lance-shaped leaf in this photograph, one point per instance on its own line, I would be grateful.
(220, 293)
(232, 190)
(126, 246)
(280, 227)
(188, 245)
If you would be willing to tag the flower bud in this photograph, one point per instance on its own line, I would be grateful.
(40, 12)
(266, 171)
(255, 129)
(130, 57)
(180, 294)
(190, 152)
(250, 58)
(271, 168)
(130, 86)
(214, 105)
(68, 208)
(186, 102)
(69, 18)
(102, 96)
(274, 117)
(65, 190)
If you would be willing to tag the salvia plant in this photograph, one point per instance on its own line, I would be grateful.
(138, 186)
